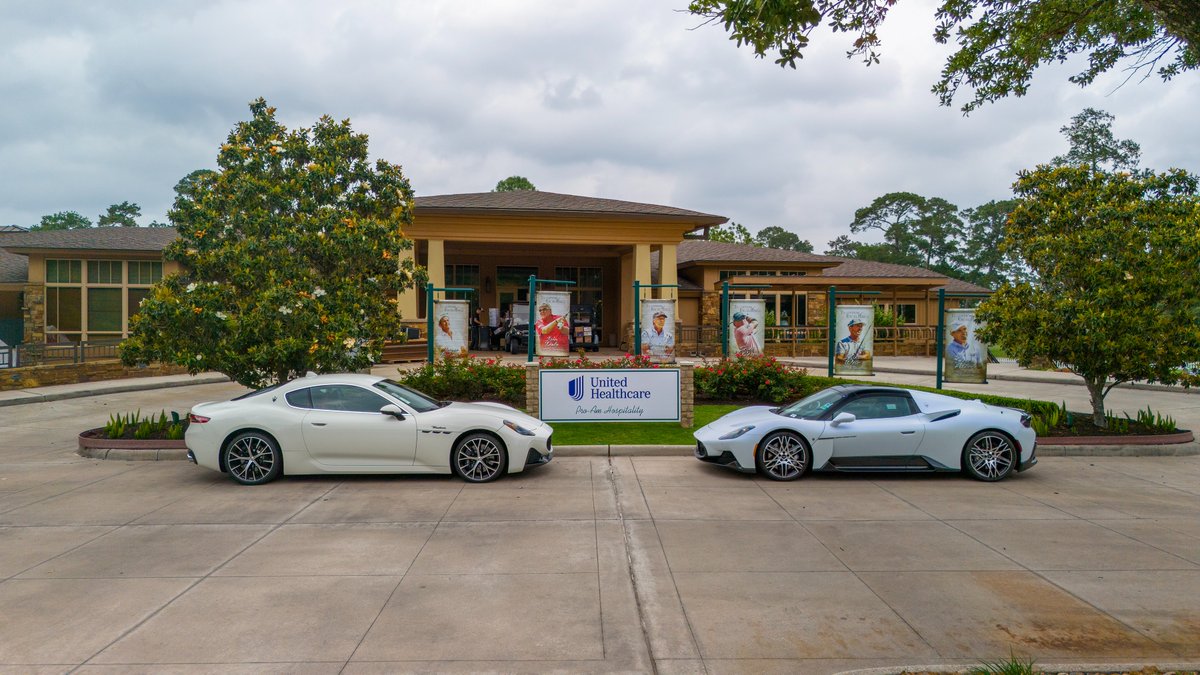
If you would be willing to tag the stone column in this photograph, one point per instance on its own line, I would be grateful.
(687, 396)
(34, 314)
(531, 388)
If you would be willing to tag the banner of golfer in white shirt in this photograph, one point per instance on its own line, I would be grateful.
(746, 327)
(964, 356)
(450, 328)
(658, 330)
(552, 323)
(854, 344)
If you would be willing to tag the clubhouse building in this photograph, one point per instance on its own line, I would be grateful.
(83, 285)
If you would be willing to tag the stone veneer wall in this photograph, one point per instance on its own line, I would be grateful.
(72, 373)
(35, 313)
(687, 392)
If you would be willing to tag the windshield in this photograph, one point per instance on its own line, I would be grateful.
(812, 407)
(415, 399)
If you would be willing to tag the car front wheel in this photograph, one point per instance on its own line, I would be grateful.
(783, 456)
(479, 458)
(253, 458)
(989, 456)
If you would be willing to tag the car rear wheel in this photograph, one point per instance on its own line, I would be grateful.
(479, 458)
(783, 455)
(253, 458)
(989, 456)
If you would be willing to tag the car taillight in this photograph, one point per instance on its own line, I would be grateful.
(1026, 420)
(193, 418)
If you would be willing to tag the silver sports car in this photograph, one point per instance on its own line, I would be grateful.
(863, 428)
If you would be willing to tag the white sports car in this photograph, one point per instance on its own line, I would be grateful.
(863, 428)
(361, 424)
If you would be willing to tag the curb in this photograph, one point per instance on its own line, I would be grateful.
(1115, 667)
(31, 397)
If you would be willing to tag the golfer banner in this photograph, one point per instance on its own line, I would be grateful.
(964, 357)
(658, 330)
(854, 343)
(450, 328)
(552, 323)
(746, 327)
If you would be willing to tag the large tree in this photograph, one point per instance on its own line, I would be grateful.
(1001, 43)
(514, 184)
(916, 230)
(63, 220)
(777, 237)
(124, 214)
(291, 254)
(734, 233)
(1117, 262)
(1092, 144)
(980, 260)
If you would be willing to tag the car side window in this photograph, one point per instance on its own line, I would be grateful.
(878, 406)
(301, 398)
(346, 398)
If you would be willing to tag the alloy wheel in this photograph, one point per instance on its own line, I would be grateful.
(990, 456)
(479, 459)
(784, 457)
(250, 459)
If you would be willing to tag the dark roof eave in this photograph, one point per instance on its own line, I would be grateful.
(699, 220)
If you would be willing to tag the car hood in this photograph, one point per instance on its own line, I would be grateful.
(496, 410)
(739, 417)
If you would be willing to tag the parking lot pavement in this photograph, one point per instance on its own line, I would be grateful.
(589, 564)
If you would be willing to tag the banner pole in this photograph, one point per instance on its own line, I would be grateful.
(429, 321)
(940, 334)
(830, 329)
(637, 318)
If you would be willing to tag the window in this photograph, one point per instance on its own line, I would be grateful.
(906, 313)
(64, 271)
(413, 398)
(463, 276)
(301, 398)
(346, 398)
(588, 288)
(64, 310)
(104, 310)
(136, 295)
(144, 272)
(104, 271)
(878, 406)
(729, 274)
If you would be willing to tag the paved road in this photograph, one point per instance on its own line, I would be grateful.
(589, 564)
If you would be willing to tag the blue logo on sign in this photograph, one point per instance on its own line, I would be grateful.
(575, 388)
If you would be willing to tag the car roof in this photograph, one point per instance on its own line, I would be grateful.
(332, 378)
(863, 388)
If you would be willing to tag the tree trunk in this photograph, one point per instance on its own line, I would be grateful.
(1095, 387)
(1181, 18)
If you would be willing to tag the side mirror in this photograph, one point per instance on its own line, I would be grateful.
(393, 410)
(843, 418)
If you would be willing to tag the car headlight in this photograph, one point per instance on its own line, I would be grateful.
(518, 428)
(737, 432)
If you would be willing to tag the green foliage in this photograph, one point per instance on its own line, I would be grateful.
(1117, 261)
(1157, 422)
(752, 378)
(1000, 44)
(513, 184)
(291, 255)
(1093, 144)
(63, 220)
(119, 426)
(124, 214)
(916, 230)
(979, 259)
(469, 379)
(886, 317)
(734, 233)
(777, 237)
(1012, 666)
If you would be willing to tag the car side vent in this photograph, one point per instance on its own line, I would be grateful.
(945, 416)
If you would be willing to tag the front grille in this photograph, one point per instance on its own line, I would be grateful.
(701, 453)
(549, 446)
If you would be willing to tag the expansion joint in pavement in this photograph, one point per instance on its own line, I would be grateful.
(610, 475)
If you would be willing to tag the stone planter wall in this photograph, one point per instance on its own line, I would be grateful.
(93, 443)
(71, 373)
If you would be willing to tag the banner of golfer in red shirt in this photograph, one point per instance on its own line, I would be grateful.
(747, 327)
(552, 323)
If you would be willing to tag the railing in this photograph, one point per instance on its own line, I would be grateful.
(53, 353)
(800, 340)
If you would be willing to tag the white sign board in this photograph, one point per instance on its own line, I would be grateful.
(609, 395)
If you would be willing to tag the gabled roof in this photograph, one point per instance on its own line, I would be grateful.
(530, 202)
(141, 239)
(14, 269)
(851, 267)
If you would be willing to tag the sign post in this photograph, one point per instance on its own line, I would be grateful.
(941, 328)
(832, 325)
(637, 311)
(533, 282)
(429, 291)
(725, 286)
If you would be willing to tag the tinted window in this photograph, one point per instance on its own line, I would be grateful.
(301, 398)
(345, 398)
(812, 407)
(260, 391)
(878, 406)
(413, 398)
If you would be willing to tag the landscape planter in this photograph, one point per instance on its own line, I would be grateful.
(96, 444)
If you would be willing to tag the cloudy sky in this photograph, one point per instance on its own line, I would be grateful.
(625, 99)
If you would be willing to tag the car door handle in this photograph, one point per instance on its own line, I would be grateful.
(908, 432)
(318, 424)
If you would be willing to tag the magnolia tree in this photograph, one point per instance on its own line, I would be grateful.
(1117, 263)
(291, 257)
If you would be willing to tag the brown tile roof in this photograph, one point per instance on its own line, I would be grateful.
(851, 267)
(14, 269)
(535, 201)
(702, 250)
(959, 286)
(93, 238)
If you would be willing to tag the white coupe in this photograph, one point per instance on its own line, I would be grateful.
(863, 428)
(361, 424)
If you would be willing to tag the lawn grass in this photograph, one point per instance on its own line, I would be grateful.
(636, 433)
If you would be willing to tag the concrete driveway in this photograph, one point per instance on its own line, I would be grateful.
(589, 564)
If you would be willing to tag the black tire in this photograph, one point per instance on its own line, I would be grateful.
(783, 456)
(989, 456)
(479, 458)
(253, 458)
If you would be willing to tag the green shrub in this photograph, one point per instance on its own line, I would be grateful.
(753, 378)
(469, 379)
(151, 426)
(1013, 666)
